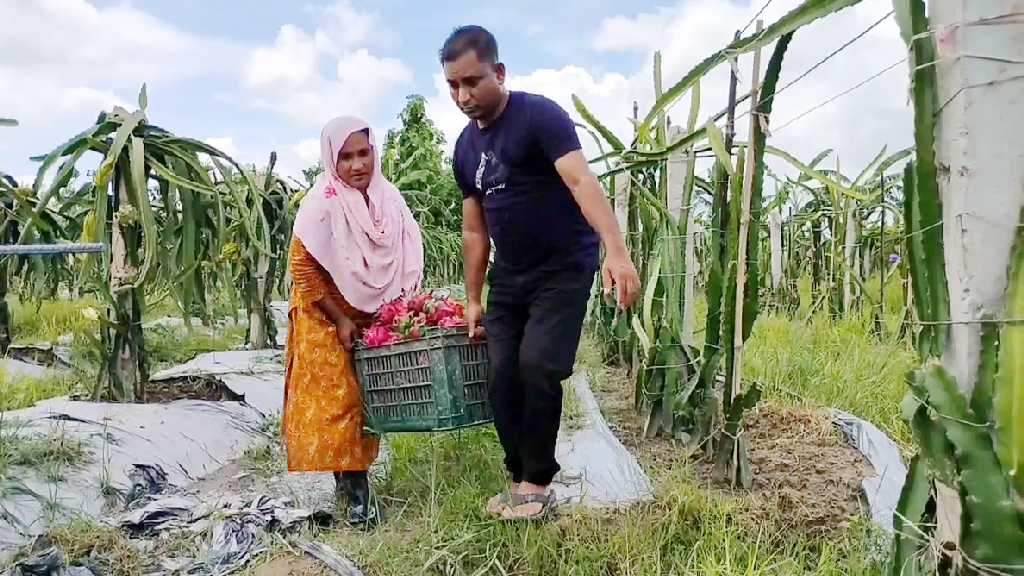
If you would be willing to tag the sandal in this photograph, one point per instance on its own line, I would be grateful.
(513, 510)
(498, 503)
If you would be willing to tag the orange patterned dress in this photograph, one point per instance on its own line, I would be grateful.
(322, 420)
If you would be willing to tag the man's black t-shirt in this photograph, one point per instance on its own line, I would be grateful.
(531, 215)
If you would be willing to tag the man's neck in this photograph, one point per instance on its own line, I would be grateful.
(485, 122)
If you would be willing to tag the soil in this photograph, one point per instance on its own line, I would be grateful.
(188, 389)
(800, 461)
(291, 565)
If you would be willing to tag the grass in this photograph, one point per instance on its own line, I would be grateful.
(171, 346)
(839, 363)
(47, 321)
(52, 453)
(435, 525)
(19, 391)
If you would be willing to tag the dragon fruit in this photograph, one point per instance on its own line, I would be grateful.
(447, 308)
(392, 312)
(378, 335)
(449, 322)
(405, 319)
(419, 301)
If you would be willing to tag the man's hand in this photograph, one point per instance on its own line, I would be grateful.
(474, 314)
(618, 272)
(476, 247)
(347, 332)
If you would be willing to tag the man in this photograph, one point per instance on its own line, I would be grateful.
(527, 186)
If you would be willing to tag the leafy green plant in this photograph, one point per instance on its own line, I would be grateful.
(124, 214)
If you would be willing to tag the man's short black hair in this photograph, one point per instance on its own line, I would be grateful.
(470, 38)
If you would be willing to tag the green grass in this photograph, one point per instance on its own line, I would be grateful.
(171, 346)
(53, 453)
(839, 364)
(435, 525)
(46, 320)
(18, 391)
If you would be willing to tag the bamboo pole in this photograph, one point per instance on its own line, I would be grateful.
(881, 256)
(741, 258)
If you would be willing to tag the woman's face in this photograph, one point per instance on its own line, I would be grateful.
(355, 161)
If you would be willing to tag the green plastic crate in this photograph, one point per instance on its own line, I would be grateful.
(438, 382)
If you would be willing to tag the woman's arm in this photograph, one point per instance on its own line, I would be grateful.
(311, 288)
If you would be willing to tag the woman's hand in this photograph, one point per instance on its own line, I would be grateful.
(348, 332)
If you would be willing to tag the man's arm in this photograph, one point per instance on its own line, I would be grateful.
(585, 188)
(618, 270)
(556, 134)
(476, 247)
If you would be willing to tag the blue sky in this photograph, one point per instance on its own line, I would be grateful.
(264, 75)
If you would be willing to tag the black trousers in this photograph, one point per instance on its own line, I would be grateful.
(533, 324)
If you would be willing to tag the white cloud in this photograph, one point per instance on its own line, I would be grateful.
(225, 144)
(292, 159)
(344, 28)
(643, 32)
(287, 75)
(72, 58)
(856, 125)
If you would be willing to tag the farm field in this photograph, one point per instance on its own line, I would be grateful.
(793, 521)
(806, 385)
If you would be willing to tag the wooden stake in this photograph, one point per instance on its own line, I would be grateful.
(881, 256)
(723, 187)
(741, 258)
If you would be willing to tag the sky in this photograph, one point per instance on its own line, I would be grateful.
(263, 75)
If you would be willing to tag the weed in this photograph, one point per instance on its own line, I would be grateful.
(834, 363)
(51, 454)
(22, 391)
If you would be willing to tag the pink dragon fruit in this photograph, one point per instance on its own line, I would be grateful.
(419, 301)
(450, 322)
(392, 312)
(378, 335)
(447, 308)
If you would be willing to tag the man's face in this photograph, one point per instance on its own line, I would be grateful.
(475, 86)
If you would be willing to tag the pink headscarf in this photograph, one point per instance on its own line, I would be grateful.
(374, 253)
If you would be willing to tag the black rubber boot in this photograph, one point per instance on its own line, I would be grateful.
(362, 510)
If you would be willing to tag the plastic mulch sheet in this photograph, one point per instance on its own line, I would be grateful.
(882, 491)
(189, 439)
(597, 470)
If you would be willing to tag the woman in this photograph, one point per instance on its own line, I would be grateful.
(356, 247)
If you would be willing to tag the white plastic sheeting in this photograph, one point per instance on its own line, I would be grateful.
(188, 439)
(882, 490)
(598, 471)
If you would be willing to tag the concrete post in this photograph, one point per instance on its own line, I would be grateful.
(980, 161)
(980, 155)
